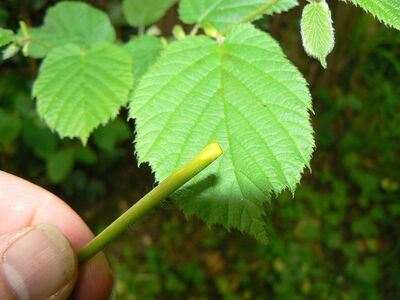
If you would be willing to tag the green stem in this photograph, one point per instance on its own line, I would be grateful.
(158, 194)
(259, 11)
(194, 30)
(22, 41)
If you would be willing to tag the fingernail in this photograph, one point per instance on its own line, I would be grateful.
(39, 263)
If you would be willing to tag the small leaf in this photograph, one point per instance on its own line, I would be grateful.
(85, 155)
(222, 14)
(141, 13)
(10, 51)
(317, 30)
(6, 37)
(60, 164)
(242, 93)
(70, 22)
(387, 11)
(144, 51)
(107, 137)
(79, 89)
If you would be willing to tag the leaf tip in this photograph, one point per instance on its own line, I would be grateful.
(323, 62)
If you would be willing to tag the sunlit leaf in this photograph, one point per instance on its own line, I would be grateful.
(242, 93)
(317, 30)
(141, 13)
(223, 13)
(78, 89)
(70, 22)
(387, 11)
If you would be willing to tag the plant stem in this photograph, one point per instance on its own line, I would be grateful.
(194, 30)
(158, 194)
(22, 41)
(259, 11)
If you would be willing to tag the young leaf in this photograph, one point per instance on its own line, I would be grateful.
(6, 37)
(141, 13)
(317, 30)
(387, 11)
(144, 51)
(79, 89)
(70, 22)
(10, 51)
(242, 93)
(223, 13)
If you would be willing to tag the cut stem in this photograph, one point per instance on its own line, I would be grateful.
(154, 197)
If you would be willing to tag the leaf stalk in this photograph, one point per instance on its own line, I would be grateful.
(154, 197)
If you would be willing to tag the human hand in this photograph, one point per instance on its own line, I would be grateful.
(39, 235)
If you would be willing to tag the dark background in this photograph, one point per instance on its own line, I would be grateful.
(338, 238)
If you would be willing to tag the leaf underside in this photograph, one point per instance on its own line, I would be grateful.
(245, 95)
(317, 31)
(79, 89)
(223, 13)
(141, 13)
(70, 22)
(387, 11)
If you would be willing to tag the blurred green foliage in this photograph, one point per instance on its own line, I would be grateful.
(338, 238)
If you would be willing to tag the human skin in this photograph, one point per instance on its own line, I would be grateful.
(24, 206)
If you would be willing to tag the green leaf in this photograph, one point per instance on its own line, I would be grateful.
(242, 93)
(387, 11)
(59, 165)
(317, 31)
(6, 36)
(281, 6)
(224, 13)
(79, 89)
(70, 22)
(144, 51)
(40, 139)
(141, 13)
(114, 132)
(10, 51)
(85, 155)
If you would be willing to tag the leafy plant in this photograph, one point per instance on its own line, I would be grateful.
(232, 84)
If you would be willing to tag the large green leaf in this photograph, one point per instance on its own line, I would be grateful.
(223, 13)
(79, 89)
(244, 94)
(70, 22)
(387, 11)
(141, 13)
(144, 51)
(317, 30)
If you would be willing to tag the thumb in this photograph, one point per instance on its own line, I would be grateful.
(36, 263)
